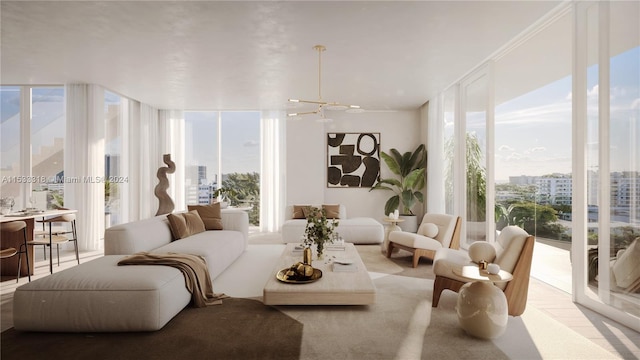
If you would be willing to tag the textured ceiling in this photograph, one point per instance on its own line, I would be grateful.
(255, 55)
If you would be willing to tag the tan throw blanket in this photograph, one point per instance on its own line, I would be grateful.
(194, 269)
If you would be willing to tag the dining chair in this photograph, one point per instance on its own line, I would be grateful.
(13, 227)
(57, 235)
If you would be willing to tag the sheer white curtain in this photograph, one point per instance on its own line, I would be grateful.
(171, 130)
(153, 133)
(84, 160)
(143, 160)
(272, 178)
(435, 158)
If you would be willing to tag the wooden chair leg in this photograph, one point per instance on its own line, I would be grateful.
(416, 258)
(389, 249)
(438, 287)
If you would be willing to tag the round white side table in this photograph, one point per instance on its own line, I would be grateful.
(482, 307)
(391, 226)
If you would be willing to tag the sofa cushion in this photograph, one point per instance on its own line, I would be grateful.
(332, 211)
(415, 241)
(210, 215)
(509, 245)
(100, 296)
(299, 211)
(185, 224)
(218, 248)
(626, 267)
(481, 250)
(428, 230)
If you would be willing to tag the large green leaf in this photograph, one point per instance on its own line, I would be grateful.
(412, 179)
(392, 164)
(407, 202)
(392, 204)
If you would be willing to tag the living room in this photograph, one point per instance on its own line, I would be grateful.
(403, 116)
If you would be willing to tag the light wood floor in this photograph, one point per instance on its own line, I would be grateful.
(610, 335)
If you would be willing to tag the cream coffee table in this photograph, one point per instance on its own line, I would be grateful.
(333, 288)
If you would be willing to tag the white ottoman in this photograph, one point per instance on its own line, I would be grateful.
(362, 230)
(100, 296)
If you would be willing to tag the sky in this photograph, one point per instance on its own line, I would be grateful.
(533, 131)
(240, 141)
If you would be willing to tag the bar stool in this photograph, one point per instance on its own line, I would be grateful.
(10, 228)
(57, 236)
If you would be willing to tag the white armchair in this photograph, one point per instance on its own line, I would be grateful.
(512, 251)
(436, 231)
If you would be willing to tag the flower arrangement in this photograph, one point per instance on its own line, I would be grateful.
(319, 229)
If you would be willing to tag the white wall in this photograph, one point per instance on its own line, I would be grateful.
(307, 163)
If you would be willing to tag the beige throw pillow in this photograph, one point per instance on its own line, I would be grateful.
(300, 211)
(428, 229)
(210, 214)
(183, 225)
(333, 211)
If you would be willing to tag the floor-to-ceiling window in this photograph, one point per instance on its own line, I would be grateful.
(474, 100)
(201, 156)
(561, 137)
(32, 133)
(47, 146)
(533, 143)
(222, 151)
(10, 146)
(611, 95)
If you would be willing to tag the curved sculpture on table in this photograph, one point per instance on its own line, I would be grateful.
(166, 205)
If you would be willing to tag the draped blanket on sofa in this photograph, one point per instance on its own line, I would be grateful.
(194, 269)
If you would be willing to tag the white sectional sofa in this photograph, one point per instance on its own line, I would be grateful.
(100, 296)
(358, 230)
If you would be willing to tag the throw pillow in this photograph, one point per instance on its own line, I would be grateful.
(210, 214)
(300, 211)
(481, 250)
(333, 211)
(183, 225)
(428, 230)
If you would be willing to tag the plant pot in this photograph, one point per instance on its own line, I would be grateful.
(410, 223)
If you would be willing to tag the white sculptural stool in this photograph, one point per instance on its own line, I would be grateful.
(481, 306)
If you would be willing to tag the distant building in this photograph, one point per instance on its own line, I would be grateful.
(556, 189)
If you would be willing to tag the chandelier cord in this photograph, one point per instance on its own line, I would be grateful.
(320, 50)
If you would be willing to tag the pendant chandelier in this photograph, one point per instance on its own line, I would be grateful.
(322, 105)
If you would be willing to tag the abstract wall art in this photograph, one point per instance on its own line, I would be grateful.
(353, 159)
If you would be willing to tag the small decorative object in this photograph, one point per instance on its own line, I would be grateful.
(319, 229)
(482, 265)
(306, 257)
(166, 204)
(299, 273)
(6, 205)
(493, 268)
(224, 195)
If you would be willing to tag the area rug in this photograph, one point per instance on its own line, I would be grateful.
(400, 325)
(237, 329)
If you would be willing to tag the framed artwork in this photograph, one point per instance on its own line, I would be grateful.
(353, 160)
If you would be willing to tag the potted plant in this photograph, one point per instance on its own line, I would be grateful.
(410, 169)
(319, 229)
